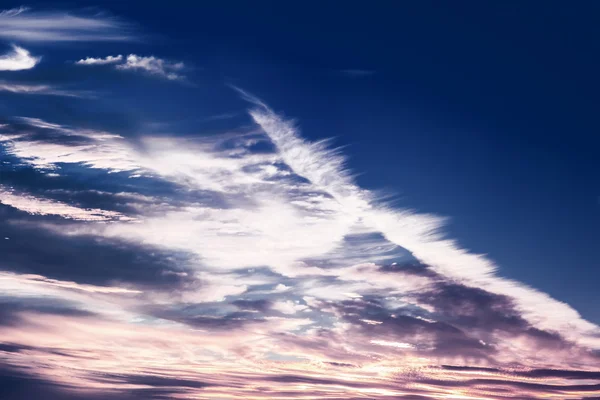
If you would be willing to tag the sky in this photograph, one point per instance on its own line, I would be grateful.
(275, 200)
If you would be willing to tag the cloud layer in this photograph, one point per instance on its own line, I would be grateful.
(250, 265)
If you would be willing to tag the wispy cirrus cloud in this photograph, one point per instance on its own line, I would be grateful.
(27, 25)
(418, 233)
(13, 11)
(41, 89)
(18, 59)
(149, 65)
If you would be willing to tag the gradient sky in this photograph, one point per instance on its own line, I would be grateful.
(251, 200)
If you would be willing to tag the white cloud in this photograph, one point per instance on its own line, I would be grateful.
(269, 233)
(24, 24)
(17, 60)
(14, 11)
(153, 66)
(399, 345)
(89, 133)
(39, 90)
(17, 281)
(150, 65)
(288, 307)
(100, 61)
(98, 299)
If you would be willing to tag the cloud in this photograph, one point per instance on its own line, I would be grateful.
(153, 66)
(100, 61)
(33, 205)
(87, 133)
(418, 233)
(26, 25)
(399, 345)
(48, 90)
(14, 11)
(35, 284)
(150, 65)
(17, 60)
(67, 145)
(288, 307)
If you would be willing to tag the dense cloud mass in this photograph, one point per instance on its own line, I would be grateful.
(246, 265)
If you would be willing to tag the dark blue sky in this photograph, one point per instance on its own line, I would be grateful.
(486, 113)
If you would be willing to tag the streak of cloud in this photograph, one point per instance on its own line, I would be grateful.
(100, 61)
(41, 89)
(32, 205)
(27, 25)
